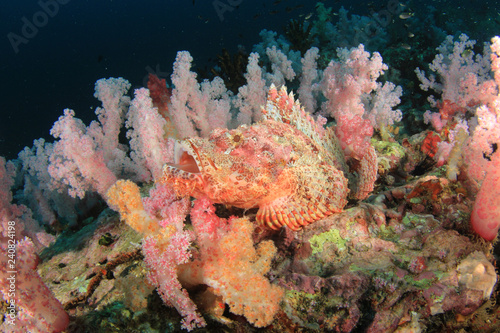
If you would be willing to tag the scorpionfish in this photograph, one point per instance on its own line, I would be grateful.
(287, 165)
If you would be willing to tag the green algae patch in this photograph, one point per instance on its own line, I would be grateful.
(330, 236)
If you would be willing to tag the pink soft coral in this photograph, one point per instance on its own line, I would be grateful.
(32, 307)
(165, 245)
(196, 108)
(38, 310)
(485, 218)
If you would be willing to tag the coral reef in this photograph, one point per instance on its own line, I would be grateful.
(232, 205)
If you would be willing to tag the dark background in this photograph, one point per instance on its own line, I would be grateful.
(93, 39)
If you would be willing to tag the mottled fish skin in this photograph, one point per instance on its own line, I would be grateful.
(287, 165)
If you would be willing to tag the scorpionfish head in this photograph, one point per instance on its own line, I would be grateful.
(205, 167)
(191, 167)
(223, 167)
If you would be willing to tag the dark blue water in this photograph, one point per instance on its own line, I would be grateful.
(52, 52)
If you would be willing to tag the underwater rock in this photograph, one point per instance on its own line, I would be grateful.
(357, 269)
(477, 273)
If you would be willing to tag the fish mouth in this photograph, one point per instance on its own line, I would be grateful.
(184, 173)
(186, 159)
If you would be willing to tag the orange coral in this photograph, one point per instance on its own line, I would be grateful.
(235, 270)
(125, 197)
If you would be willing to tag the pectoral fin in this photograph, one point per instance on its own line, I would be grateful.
(319, 191)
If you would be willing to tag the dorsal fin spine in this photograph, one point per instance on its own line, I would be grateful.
(282, 106)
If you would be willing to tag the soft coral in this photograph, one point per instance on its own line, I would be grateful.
(485, 218)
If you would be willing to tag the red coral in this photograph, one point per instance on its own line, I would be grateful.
(417, 265)
(430, 144)
(429, 188)
(159, 93)
(447, 109)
